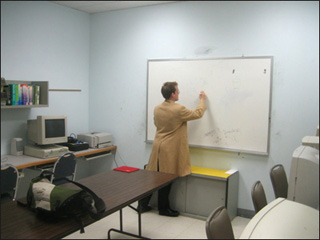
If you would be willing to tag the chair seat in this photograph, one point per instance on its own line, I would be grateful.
(279, 181)
(64, 167)
(218, 224)
(258, 196)
(9, 182)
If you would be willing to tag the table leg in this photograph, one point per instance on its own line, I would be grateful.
(121, 226)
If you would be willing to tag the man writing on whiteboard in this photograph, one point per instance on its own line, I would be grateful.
(170, 149)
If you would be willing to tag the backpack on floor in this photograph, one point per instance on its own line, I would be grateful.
(54, 202)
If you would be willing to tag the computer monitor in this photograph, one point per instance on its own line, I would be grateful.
(304, 176)
(48, 130)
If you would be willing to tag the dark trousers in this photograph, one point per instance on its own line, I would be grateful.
(163, 198)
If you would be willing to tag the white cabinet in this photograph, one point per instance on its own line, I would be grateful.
(203, 191)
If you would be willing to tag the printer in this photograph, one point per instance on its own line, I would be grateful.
(96, 139)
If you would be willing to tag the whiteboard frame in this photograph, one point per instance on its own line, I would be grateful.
(220, 58)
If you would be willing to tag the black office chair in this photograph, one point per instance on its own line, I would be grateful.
(9, 183)
(64, 167)
(279, 181)
(258, 196)
(218, 224)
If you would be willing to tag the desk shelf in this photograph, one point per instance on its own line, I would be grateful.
(97, 155)
(24, 161)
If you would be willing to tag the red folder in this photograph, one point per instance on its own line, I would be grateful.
(126, 169)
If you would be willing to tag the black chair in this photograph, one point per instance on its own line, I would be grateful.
(9, 183)
(64, 167)
(258, 196)
(218, 224)
(279, 181)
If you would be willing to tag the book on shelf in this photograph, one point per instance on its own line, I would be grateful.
(24, 94)
(8, 91)
(30, 94)
(36, 95)
(12, 90)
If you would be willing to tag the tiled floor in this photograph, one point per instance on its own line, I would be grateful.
(153, 226)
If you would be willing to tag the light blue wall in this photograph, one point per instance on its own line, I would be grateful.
(109, 57)
(123, 41)
(42, 41)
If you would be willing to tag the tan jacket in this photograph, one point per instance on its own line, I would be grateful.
(170, 148)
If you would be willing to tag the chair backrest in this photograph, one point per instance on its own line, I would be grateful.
(279, 181)
(218, 224)
(9, 181)
(65, 166)
(258, 196)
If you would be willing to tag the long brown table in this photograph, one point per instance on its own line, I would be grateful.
(117, 189)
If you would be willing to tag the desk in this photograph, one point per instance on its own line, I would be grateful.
(283, 218)
(117, 189)
(27, 165)
(24, 161)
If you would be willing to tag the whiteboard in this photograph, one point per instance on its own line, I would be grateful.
(238, 100)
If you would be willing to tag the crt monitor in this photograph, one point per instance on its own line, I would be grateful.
(304, 176)
(48, 130)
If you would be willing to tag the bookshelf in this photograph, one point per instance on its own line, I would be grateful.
(44, 96)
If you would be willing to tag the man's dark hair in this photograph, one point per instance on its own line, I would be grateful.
(168, 88)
